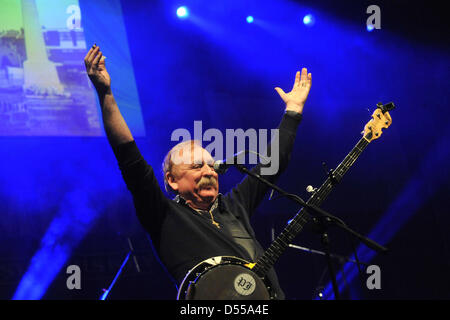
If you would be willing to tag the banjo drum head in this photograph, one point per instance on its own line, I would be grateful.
(228, 282)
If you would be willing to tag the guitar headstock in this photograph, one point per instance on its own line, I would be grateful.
(380, 119)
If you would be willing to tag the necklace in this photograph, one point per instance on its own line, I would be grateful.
(212, 219)
(214, 206)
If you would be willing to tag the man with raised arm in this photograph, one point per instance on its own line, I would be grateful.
(199, 223)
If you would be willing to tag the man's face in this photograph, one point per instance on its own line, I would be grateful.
(193, 176)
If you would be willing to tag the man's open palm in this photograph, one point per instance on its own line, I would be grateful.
(295, 100)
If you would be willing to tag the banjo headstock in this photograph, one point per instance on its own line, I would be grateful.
(381, 119)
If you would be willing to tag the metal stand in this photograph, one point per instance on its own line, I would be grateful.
(107, 291)
(322, 253)
(326, 245)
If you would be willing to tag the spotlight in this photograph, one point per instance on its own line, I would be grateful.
(370, 27)
(250, 19)
(182, 12)
(308, 20)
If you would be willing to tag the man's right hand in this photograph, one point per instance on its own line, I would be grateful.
(96, 70)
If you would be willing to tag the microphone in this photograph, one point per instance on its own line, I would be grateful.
(221, 166)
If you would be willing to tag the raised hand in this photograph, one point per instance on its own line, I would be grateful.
(295, 100)
(96, 70)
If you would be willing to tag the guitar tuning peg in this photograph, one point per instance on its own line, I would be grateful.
(329, 173)
(311, 189)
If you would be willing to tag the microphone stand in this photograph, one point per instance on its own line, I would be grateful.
(335, 256)
(131, 252)
(324, 219)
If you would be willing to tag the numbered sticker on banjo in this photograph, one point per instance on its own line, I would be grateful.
(244, 284)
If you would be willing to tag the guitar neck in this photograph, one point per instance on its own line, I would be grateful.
(279, 245)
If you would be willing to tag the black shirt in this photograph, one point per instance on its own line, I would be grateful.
(183, 237)
(231, 225)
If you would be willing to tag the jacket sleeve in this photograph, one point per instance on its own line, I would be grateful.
(250, 192)
(149, 200)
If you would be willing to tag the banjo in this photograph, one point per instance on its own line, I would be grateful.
(233, 278)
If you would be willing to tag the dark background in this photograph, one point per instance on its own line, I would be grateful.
(220, 70)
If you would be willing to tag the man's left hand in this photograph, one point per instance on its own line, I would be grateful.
(295, 100)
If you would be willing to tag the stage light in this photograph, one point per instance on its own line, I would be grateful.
(250, 19)
(67, 229)
(308, 20)
(370, 27)
(182, 12)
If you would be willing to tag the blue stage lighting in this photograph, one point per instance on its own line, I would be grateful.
(308, 20)
(370, 27)
(250, 19)
(182, 12)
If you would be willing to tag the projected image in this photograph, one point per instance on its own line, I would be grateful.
(44, 89)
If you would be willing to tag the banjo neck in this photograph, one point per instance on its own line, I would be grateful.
(279, 245)
(372, 130)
